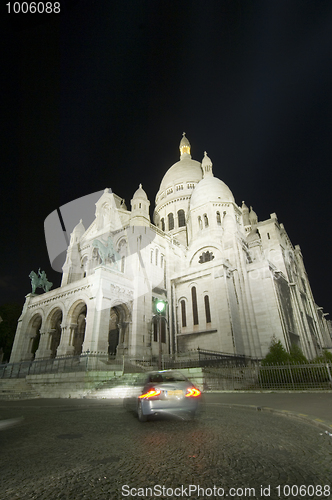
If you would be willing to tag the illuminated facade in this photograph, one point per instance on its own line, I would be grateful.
(231, 282)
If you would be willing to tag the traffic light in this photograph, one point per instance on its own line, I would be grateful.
(159, 307)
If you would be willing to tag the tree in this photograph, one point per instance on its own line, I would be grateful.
(297, 355)
(9, 314)
(277, 354)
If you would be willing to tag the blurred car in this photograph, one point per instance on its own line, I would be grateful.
(163, 392)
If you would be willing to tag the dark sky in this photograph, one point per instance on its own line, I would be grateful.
(99, 95)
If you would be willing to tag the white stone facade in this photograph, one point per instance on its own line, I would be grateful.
(230, 281)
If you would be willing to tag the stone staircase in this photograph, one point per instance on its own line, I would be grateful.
(14, 389)
(117, 387)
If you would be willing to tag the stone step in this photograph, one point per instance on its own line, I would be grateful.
(16, 389)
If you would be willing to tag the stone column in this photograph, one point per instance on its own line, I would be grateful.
(72, 335)
(28, 356)
(65, 349)
(44, 350)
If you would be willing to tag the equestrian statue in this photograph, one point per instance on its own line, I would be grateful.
(39, 281)
(107, 251)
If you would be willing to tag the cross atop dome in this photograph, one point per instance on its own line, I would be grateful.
(184, 147)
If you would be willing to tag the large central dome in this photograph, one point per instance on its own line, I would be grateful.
(182, 172)
(185, 170)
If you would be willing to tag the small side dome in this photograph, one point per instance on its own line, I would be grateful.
(79, 228)
(140, 193)
(253, 217)
(78, 231)
(210, 189)
(206, 165)
(253, 235)
(245, 214)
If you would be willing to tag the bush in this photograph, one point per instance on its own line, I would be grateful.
(297, 355)
(326, 357)
(277, 354)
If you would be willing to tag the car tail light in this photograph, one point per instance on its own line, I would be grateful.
(193, 392)
(150, 394)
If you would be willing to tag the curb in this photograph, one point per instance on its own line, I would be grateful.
(318, 422)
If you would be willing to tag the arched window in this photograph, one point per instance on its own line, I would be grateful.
(206, 220)
(122, 263)
(170, 221)
(181, 218)
(183, 313)
(200, 223)
(162, 222)
(194, 301)
(85, 266)
(157, 253)
(151, 258)
(218, 219)
(207, 309)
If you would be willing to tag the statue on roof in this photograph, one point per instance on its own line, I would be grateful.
(40, 281)
(107, 251)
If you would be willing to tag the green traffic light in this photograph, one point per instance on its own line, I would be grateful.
(160, 306)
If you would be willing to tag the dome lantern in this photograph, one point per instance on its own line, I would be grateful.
(184, 147)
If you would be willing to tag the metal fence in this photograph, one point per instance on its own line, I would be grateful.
(219, 371)
(126, 364)
(277, 377)
(203, 358)
(68, 364)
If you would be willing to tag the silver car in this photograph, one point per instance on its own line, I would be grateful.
(163, 392)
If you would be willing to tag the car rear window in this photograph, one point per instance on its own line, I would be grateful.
(167, 377)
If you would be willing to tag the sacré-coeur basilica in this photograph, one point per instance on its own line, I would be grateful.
(231, 282)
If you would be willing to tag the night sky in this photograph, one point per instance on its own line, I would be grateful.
(99, 95)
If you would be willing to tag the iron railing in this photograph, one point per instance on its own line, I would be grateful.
(293, 377)
(220, 371)
(202, 358)
(82, 363)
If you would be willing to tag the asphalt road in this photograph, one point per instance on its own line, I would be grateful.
(95, 450)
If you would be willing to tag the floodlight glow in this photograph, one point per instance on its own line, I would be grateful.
(160, 306)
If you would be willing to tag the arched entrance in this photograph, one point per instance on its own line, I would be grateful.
(80, 329)
(55, 334)
(35, 335)
(113, 332)
(118, 332)
(72, 342)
